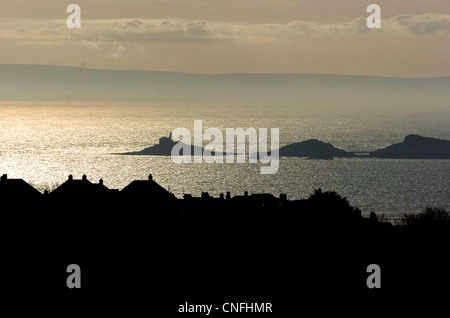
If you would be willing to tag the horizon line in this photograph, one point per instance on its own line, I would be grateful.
(224, 74)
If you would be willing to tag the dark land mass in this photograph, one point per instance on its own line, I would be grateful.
(165, 146)
(314, 149)
(142, 249)
(416, 147)
(413, 147)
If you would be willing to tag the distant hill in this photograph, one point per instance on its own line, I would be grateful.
(416, 147)
(313, 148)
(43, 82)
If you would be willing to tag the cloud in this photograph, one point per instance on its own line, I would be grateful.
(302, 28)
(118, 50)
(134, 24)
(426, 23)
(22, 30)
(149, 31)
(112, 36)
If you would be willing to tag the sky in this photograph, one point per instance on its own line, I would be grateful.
(232, 36)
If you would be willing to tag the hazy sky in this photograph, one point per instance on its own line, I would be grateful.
(229, 36)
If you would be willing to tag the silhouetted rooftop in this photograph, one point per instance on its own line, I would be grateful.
(147, 189)
(80, 187)
(13, 188)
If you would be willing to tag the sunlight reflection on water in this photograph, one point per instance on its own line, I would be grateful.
(45, 142)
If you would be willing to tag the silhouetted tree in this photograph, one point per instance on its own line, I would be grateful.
(429, 217)
(333, 204)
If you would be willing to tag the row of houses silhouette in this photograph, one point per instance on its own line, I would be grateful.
(250, 244)
(137, 191)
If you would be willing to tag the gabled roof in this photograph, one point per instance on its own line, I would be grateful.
(147, 189)
(17, 188)
(83, 187)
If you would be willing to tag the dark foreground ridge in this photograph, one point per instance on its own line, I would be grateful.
(142, 246)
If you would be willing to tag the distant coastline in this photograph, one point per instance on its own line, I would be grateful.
(68, 83)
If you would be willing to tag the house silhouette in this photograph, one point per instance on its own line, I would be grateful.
(81, 189)
(17, 191)
(146, 190)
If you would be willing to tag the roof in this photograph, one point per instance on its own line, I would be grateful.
(147, 189)
(11, 188)
(83, 187)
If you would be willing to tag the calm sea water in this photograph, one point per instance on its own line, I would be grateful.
(44, 142)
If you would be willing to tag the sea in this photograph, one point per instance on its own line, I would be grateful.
(44, 142)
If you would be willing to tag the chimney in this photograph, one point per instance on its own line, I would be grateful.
(245, 193)
(84, 177)
(221, 196)
(100, 181)
(228, 195)
(70, 177)
(4, 177)
(150, 177)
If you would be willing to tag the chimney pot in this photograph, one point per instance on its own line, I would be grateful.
(70, 177)
(100, 181)
(5, 177)
(150, 177)
(84, 177)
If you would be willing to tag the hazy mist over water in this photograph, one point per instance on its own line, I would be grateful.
(44, 142)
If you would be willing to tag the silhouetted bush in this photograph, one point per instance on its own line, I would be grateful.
(429, 217)
(333, 204)
(383, 218)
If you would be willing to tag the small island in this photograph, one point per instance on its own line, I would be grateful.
(314, 149)
(164, 148)
(415, 147)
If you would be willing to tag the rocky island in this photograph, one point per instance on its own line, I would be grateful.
(314, 149)
(413, 147)
(164, 148)
(416, 147)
